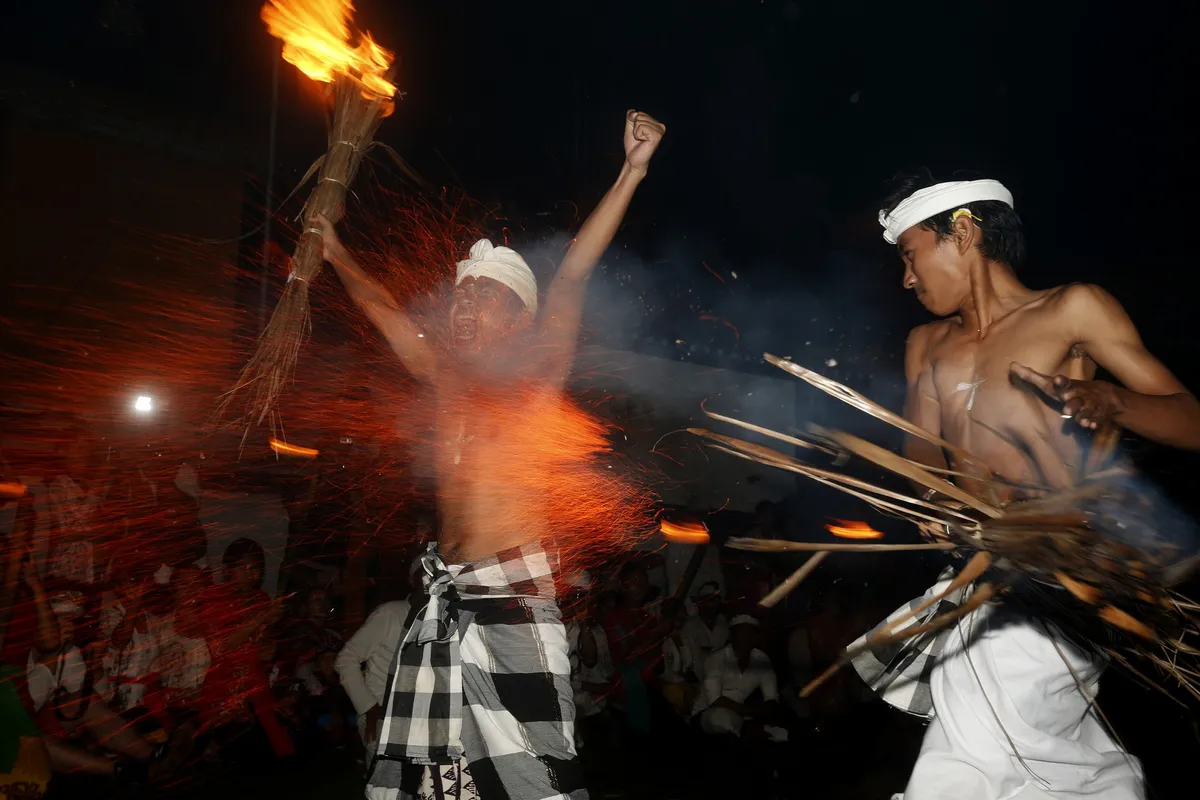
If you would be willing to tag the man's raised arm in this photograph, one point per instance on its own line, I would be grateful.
(564, 298)
(379, 306)
(1151, 403)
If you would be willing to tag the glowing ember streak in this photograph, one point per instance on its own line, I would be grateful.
(285, 449)
(684, 532)
(12, 490)
(316, 38)
(850, 529)
(737, 336)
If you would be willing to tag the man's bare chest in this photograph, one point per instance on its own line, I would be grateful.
(972, 375)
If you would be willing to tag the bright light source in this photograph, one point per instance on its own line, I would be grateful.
(143, 404)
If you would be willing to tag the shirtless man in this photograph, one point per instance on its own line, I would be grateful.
(1008, 375)
(511, 736)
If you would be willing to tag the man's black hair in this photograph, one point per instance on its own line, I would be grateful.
(241, 549)
(1003, 235)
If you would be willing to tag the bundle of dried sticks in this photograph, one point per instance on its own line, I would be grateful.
(317, 39)
(1100, 541)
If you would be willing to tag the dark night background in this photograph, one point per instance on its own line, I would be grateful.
(785, 120)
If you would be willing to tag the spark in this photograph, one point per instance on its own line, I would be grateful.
(737, 336)
(285, 449)
(715, 274)
(684, 532)
(851, 529)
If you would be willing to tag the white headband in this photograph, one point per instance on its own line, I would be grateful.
(923, 204)
(504, 265)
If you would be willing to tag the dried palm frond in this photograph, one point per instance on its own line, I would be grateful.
(1102, 544)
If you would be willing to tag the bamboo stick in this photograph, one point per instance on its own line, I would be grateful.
(788, 586)
(781, 546)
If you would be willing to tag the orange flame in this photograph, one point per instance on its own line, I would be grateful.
(850, 529)
(316, 39)
(684, 532)
(285, 449)
(12, 490)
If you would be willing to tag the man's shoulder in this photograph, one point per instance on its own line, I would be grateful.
(759, 658)
(923, 337)
(1081, 307)
(1081, 297)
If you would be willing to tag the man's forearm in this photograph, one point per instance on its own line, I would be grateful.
(363, 289)
(600, 228)
(1172, 419)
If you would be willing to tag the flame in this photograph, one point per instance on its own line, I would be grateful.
(684, 532)
(285, 449)
(850, 529)
(316, 38)
(12, 490)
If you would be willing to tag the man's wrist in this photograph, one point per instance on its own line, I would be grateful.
(630, 175)
(1121, 398)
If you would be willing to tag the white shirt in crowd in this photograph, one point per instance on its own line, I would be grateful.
(723, 678)
(64, 512)
(365, 660)
(124, 669)
(702, 640)
(601, 672)
(67, 670)
(183, 661)
(677, 660)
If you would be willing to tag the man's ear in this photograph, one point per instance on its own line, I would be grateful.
(965, 232)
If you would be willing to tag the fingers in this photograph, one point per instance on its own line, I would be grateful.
(643, 126)
(1079, 404)
(1057, 387)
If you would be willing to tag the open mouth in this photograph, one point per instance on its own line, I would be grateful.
(465, 330)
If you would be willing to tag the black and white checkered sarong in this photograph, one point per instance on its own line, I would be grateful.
(900, 673)
(483, 677)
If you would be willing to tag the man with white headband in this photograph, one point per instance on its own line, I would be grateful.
(479, 700)
(1008, 375)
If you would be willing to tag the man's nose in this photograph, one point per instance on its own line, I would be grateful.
(910, 280)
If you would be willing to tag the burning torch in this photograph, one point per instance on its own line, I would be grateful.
(317, 38)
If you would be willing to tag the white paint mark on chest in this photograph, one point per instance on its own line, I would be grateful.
(972, 389)
(461, 440)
